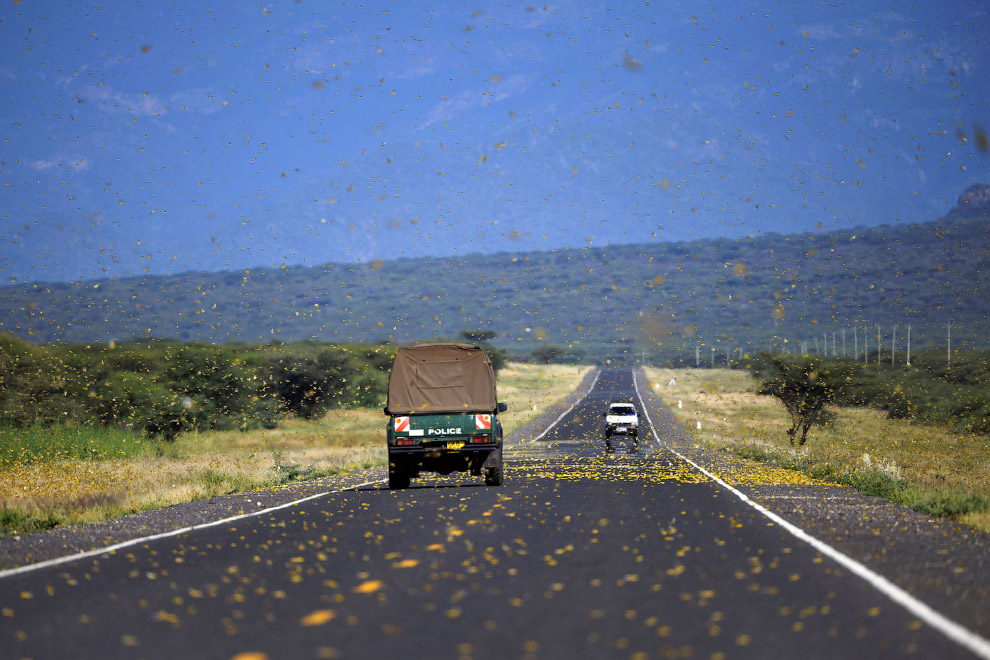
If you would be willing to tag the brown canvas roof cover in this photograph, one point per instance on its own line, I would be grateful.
(441, 378)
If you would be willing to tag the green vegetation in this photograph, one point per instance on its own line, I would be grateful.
(76, 473)
(945, 503)
(38, 443)
(674, 303)
(17, 522)
(805, 386)
(162, 389)
(939, 469)
(930, 390)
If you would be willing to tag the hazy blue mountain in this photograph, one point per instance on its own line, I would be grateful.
(648, 299)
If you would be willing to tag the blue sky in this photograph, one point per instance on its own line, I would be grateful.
(226, 135)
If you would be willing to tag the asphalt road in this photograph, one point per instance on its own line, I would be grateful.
(580, 555)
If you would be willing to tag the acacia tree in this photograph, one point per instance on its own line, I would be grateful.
(480, 336)
(308, 386)
(805, 387)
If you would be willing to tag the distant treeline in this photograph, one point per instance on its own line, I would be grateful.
(163, 388)
(930, 390)
(625, 303)
(167, 387)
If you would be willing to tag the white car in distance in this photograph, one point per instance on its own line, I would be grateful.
(621, 420)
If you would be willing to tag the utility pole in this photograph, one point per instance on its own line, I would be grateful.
(909, 345)
(834, 353)
(855, 344)
(948, 350)
(893, 345)
(878, 343)
(697, 355)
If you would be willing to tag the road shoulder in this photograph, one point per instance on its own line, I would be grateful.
(66, 540)
(940, 562)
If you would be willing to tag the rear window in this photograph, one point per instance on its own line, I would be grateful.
(623, 410)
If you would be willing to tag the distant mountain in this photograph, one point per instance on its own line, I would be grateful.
(699, 298)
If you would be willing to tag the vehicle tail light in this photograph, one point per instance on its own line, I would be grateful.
(404, 442)
(479, 439)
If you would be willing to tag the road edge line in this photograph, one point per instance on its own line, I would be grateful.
(27, 568)
(566, 412)
(954, 631)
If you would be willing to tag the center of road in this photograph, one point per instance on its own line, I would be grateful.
(582, 553)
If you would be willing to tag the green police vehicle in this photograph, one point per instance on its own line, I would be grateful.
(443, 414)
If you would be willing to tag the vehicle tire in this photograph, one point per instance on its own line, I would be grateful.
(397, 478)
(608, 446)
(493, 475)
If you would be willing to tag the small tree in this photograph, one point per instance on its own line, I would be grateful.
(306, 386)
(33, 384)
(480, 336)
(805, 387)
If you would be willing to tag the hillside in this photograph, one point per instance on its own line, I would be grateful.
(648, 300)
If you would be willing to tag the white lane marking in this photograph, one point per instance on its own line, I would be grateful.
(954, 631)
(565, 413)
(145, 539)
(175, 532)
(818, 498)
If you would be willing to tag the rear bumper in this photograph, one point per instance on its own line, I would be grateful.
(418, 458)
(621, 429)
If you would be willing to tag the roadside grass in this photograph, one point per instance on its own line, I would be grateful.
(39, 443)
(932, 470)
(50, 489)
(529, 389)
(57, 476)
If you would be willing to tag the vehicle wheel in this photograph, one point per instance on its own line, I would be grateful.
(397, 478)
(608, 446)
(493, 476)
(635, 446)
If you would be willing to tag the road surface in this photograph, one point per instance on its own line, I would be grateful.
(581, 554)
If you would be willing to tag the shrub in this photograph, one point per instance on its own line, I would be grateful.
(805, 387)
(307, 386)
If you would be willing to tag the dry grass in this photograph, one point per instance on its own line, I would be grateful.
(861, 441)
(530, 389)
(196, 466)
(202, 465)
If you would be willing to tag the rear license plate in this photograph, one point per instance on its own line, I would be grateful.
(622, 429)
(455, 444)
